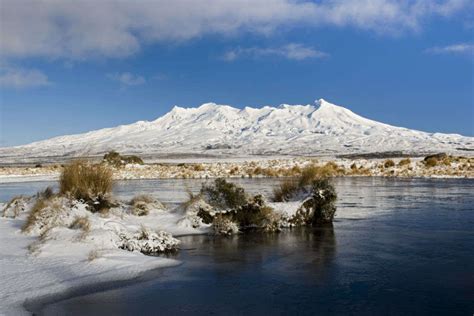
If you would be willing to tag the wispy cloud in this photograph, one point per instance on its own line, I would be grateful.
(117, 28)
(127, 78)
(290, 51)
(14, 77)
(461, 48)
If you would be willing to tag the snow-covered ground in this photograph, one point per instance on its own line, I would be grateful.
(47, 261)
(221, 130)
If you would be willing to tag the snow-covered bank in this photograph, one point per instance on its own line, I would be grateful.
(55, 259)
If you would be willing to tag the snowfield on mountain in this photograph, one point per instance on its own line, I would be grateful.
(221, 130)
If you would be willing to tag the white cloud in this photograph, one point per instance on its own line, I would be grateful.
(462, 48)
(118, 28)
(127, 78)
(22, 78)
(290, 51)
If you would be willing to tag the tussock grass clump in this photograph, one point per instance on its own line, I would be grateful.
(198, 167)
(431, 162)
(285, 190)
(14, 207)
(81, 222)
(115, 159)
(389, 163)
(142, 204)
(89, 182)
(44, 214)
(291, 186)
(404, 162)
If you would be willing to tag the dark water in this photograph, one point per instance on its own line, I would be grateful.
(397, 247)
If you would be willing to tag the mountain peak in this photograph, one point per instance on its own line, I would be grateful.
(322, 128)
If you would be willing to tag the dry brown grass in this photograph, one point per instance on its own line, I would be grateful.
(141, 204)
(84, 180)
(16, 203)
(81, 222)
(285, 189)
(431, 162)
(89, 182)
(389, 163)
(404, 162)
(290, 186)
(198, 167)
(43, 214)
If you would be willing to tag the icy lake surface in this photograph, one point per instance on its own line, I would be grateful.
(398, 246)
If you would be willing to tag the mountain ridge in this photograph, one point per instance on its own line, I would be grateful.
(320, 129)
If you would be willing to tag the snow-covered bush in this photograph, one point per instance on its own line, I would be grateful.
(223, 225)
(318, 207)
(190, 220)
(142, 204)
(230, 205)
(223, 195)
(148, 242)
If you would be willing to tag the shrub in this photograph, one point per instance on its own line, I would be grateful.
(148, 242)
(404, 162)
(223, 194)
(91, 183)
(389, 163)
(133, 160)
(431, 162)
(320, 207)
(115, 159)
(198, 167)
(253, 213)
(290, 187)
(222, 225)
(142, 204)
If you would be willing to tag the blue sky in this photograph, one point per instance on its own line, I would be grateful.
(406, 63)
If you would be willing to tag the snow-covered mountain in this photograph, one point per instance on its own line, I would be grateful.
(320, 129)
